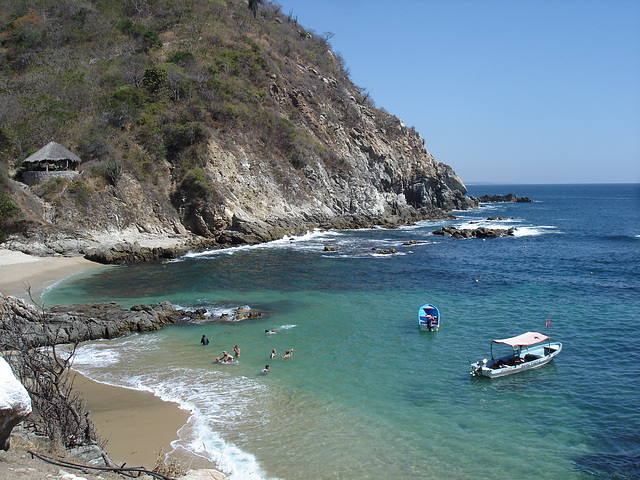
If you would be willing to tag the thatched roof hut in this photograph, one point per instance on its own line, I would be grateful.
(52, 156)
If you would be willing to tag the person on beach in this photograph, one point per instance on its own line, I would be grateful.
(273, 353)
(287, 354)
(265, 370)
(236, 351)
(204, 340)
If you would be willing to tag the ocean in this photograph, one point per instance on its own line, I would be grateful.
(365, 393)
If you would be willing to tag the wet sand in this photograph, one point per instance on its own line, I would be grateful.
(138, 426)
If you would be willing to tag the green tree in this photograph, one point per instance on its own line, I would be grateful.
(253, 6)
(154, 79)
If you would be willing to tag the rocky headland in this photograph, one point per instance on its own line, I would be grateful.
(242, 134)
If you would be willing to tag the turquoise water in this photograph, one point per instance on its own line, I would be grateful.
(366, 394)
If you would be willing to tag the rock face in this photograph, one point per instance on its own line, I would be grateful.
(510, 197)
(480, 232)
(15, 403)
(78, 323)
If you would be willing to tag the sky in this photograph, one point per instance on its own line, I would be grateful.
(504, 91)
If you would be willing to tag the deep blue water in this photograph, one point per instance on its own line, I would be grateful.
(366, 395)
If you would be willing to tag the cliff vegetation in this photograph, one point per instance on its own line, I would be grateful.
(221, 120)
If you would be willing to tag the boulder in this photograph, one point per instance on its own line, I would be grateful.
(15, 403)
(385, 251)
(480, 232)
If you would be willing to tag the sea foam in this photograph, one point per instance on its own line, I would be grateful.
(215, 404)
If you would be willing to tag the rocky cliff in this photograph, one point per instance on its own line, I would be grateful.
(199, 120)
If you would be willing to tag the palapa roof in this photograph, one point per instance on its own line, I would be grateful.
(52, 151)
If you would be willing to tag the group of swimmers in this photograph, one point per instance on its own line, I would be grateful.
(287, 354)
(226, 358)
(273, 355)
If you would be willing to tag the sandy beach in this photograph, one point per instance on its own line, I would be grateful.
(19, 271)
(137, 426)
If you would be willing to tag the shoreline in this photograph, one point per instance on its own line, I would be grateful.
(20, 272)
(137, 426)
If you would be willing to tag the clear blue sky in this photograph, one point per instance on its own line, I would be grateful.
(504, 91)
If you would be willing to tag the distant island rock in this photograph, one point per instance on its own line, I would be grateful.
(508, 198)
(480, 232)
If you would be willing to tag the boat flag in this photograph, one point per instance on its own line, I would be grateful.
(548, 322)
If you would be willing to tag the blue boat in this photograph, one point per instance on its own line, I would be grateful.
(429, 318)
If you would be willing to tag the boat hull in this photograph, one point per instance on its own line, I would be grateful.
(544, 353)
(429, 318)
(424, 328)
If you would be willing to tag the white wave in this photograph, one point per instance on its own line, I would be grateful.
(286, 327)
(87, 356)
(215, 404)
(534, 231)
(208, 444)
(92, 356)
(213, 310)
(296, 241)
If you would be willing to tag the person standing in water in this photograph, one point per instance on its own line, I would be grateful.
(204, 340)
(236, 351)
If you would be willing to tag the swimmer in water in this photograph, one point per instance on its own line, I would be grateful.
(273, 353)
(287, 354)
(265, 370)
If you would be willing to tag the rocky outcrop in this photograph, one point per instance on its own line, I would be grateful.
(78, 323)
(125, 253)
(376, 176)
(510, 197)
(15, 403)
(480, 232)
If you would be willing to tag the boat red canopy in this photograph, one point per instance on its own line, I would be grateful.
(529, 338)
